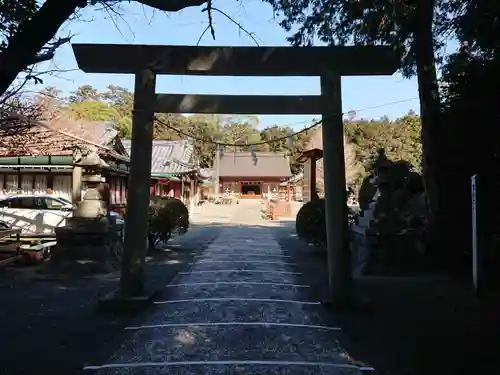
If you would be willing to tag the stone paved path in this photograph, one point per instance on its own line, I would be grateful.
(237, 310)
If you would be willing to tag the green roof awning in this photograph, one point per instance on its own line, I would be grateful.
(36, 160)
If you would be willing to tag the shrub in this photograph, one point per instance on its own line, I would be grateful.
(167, 216)
(310, 223)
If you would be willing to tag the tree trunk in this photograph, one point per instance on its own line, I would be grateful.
(432, 140)
(32, 36)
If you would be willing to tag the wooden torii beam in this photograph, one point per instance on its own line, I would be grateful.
(238, 104)
(236, 61)
(329, 63)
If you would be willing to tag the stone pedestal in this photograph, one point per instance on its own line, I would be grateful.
(361, 240)
(89, 245)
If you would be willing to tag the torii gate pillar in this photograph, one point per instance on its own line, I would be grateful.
(136, 223)
(337, 231)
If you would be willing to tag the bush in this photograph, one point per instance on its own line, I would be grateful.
(167, 216)
(310, 223)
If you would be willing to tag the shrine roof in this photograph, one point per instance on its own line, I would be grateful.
(266, 164)
(169, 157)
(59, 136)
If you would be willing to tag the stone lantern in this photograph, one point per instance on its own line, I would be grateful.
(91, 241)
(92, 206)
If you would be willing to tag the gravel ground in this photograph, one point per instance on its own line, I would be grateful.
(415, 325)
(52, 327)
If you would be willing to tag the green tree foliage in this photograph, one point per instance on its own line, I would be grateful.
(93, 111)
(400, 137)
(84, 93)
(415, 29)
(120, 98)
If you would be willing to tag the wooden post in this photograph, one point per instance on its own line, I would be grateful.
(339, 257)
(217, 171)
(76, 188)
(313, 195)
(192, 194)
(136, 223)
(182, 188)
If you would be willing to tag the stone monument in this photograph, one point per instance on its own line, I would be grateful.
(91, 241)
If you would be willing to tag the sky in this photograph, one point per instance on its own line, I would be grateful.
(370, 97)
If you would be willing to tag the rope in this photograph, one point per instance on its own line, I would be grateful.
(204, 140)
(275, 140)
(201, 139)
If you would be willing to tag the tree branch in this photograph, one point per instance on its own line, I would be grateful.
(27, 45)
(47, 53)
(32, 36)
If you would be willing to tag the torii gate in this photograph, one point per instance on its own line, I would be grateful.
(147, 61)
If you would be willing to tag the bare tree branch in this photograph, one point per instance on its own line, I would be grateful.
(240, 26)
(202, 34)
(210, 27)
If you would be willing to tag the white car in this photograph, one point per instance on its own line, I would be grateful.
(34, 214)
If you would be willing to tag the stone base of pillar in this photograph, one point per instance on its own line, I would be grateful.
(349, 305)
(116, 303)
(87, 246)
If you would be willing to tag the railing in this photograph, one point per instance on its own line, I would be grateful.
(276, 209)
(10, 247)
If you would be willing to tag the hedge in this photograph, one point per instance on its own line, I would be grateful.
(167, 216)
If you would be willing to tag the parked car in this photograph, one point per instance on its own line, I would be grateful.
(34, 214)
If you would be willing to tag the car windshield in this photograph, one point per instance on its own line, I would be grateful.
(67, 201)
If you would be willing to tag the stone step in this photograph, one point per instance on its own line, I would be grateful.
(231, 343)
(234, 367)
(257, 289)
(260, 265)
(235, 311)
(249, 276)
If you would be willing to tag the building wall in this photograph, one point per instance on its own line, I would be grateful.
(171, 189)
(118, 189)
(54, 183)
(36, 182)
(233, 184)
